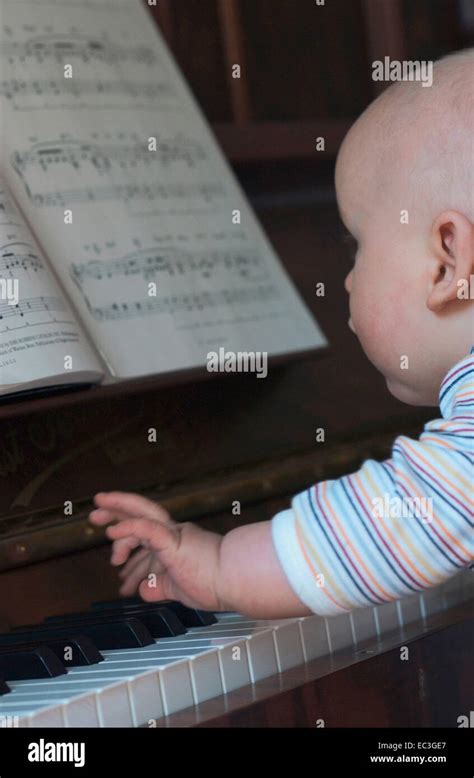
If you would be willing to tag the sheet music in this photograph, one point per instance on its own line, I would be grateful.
(37, 326)
(153, 260)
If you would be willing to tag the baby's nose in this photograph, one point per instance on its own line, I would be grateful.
(348, 283)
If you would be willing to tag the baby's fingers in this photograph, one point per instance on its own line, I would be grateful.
(150, 534)
(100, 516)
(143, 555)
(161, 589)
(139, 573)
(121, 550)
(123, 504)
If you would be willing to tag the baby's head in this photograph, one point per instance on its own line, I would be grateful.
(404, 180)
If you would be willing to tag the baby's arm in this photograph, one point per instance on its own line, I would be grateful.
(237, 572)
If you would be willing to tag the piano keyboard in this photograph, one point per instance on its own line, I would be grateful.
(138, 686)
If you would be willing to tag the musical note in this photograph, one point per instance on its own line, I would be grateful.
(21, 264)
(79, 88)
(149, 263)
(105, 157)
(33, 305)
(100, 75)
(174, 304)
(130, 170)
(65, 48)
(18, 256)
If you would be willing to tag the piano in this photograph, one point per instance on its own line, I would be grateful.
(73, 654)
(162, 674)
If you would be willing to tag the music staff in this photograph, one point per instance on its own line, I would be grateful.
(105, 157)
(14, 258)
(149, 263)
(128, 193)
(33, 305)
(64, 48)
(173, 304)
(79, 88)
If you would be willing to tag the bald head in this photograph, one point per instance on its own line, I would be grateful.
(420, 139)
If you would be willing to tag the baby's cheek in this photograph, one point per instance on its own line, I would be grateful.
(375, 315)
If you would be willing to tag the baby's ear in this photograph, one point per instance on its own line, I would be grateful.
(452, 243)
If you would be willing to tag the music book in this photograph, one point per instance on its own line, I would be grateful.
(127, 247)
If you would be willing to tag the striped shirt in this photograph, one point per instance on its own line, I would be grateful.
(392, 528)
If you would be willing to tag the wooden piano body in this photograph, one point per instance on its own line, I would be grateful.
(226, 439)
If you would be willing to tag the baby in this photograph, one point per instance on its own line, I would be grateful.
(404, 183)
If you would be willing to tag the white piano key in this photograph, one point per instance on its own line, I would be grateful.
(176, 687)
(51, 717)
(79, 710)
(314, 637)
(114, 708)
(206, 676)
(386, 618)
(145, 698)
(289, 648)
(143, 691)
(363, 624)
(410, 609)
(262, 655)
(112, 694)
(38, 714)
(431, 601)
(234, 665)
(339, 631)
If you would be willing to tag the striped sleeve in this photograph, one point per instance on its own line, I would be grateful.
(392, 528)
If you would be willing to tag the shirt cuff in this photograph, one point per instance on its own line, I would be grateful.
(300, 576)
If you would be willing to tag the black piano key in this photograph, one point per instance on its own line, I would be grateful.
(123, 601)
(4, 688)
(80, 649)
(190, 617)
(40, 662)
(161, 622)
(122, 633)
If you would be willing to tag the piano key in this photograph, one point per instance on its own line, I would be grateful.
(363, 624)
(40, 714)
(175, 685)
(126, 633)
(110, 696)
(80, 710)
(235, 665)
(189, 617)
(431, 602)
(409, 608)
(161, 622)
(339, 631)
(386, 618)
(289, 647)
(40, 662)
(314, 637)
(79, 650)
(4, 688)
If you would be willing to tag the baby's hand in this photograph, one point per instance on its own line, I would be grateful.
(174, 561)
